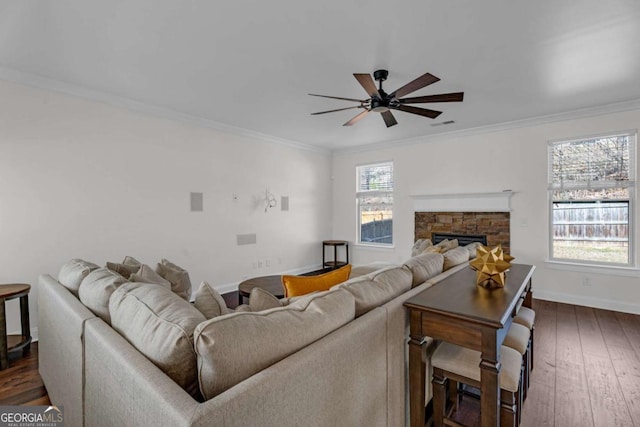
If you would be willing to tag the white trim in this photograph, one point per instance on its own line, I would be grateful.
(233, 286)
(609, 270)
(375, 247)
(617, 107)
(605, 304)
(40, 82)
(463, 202)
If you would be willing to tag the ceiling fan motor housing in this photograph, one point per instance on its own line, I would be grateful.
(380, 75)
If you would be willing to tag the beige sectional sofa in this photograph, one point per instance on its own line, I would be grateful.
(252, 368)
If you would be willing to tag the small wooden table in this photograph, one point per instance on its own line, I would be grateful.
(458, 311)
(335, 263)
(271, 284)
(14, 343)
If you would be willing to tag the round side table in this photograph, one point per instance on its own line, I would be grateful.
(14, 343)
(271, 284)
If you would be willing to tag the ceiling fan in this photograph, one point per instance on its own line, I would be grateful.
(382, 102)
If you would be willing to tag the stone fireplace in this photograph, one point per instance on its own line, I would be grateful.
(494, 225)
(487, 214)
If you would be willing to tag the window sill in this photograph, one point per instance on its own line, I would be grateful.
(375, 247)
(595, 269)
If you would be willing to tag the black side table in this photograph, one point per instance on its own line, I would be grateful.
(14, 343)
(335, 263)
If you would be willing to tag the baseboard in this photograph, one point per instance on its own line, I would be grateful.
(232, 287)
(605, 304)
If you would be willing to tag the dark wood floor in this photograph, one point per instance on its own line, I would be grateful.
(587, 371)
(21, 383)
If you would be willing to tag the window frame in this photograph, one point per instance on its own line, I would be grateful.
(633, 216)
(359, 242)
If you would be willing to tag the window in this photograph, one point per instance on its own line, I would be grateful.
(374, 197)
(591, 194)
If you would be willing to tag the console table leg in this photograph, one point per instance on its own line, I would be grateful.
(417, 371)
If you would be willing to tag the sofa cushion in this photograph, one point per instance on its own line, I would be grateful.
(178, 276)
(301, 285)
(234, 347)
(363, 270)
(73, 272)
(145, 274)
(160, 325)
(209, 301)
(374, 290)
(96, 288)
(424, 266)
(454, 257)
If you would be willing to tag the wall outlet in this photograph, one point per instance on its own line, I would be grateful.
(267, 263)
(586, 281)
(260, 264)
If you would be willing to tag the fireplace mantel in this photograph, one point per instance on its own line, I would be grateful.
(463, 202)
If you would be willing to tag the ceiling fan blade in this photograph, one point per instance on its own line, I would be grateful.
(357, 118)
(443, 97)
(389, 120)
(368, 84)
(422, 81)
(337, 97)
(432, 114)
(339, 109)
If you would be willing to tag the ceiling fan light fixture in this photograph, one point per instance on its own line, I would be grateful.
(382, 102)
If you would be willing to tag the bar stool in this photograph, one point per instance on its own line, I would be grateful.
(527, 317)
(518, 338)
(459, 364)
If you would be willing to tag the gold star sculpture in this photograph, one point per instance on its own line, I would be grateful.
(490, 265)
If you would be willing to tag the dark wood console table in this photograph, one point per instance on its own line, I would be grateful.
(14, 343)
(458, 311)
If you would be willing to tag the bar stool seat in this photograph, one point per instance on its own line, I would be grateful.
(527, 317)
(461, 364)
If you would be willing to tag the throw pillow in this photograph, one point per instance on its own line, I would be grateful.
(72, 273)
(419, 246)
(302, 285)
(96, 289)
(435, 250)
(129, 260)
(472, 248)
(123, 269)
(209, 301)
(260, 300)
(160, 325)
(145, 274)
(178, 276)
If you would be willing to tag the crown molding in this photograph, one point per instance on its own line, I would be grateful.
(40, 82)
(617, 107)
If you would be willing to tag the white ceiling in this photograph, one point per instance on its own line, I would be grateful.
(250, 64)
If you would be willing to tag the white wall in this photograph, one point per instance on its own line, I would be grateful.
(513, 159)
(82, 179)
